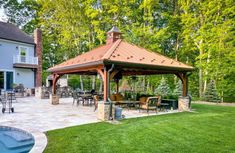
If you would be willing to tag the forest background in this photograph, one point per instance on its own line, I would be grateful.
(200, 33)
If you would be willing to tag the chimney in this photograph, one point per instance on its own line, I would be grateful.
(113, 35)
(38, 53)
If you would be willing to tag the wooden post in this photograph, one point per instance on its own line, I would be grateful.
(55, 79)
(185, 86)
(183, 78)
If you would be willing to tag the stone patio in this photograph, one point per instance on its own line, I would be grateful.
(38, 116)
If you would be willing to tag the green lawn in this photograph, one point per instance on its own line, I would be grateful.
(210, 129)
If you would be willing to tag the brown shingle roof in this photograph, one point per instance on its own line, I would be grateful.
(9, 31)
(124, 52)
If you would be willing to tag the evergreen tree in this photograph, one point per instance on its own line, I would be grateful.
(163, 89)
(211, 94)
(178, 89)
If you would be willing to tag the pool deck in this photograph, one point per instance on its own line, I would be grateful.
(38, 116)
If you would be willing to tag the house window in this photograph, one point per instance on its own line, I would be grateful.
(23, 53)
(1, 80)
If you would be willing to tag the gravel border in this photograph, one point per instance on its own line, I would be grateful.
(211, 103)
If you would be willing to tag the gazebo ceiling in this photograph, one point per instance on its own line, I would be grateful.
(123, 55)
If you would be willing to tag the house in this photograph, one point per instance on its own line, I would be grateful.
(20, 57)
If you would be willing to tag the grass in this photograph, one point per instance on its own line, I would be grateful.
(209, 129)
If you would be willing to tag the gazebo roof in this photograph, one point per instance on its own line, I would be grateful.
(121, 53)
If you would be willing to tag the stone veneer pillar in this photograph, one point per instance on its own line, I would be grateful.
(184, 103)
(54, 99)
(38, 53)
(104, 111)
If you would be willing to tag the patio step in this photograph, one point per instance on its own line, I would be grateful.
(22, 150)
(11, 144)
(18, 136)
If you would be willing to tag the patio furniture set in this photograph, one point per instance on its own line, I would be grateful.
(87, 98)
(144, 103)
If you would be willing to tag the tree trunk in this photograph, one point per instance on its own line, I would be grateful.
(101, 86)
(200, 83)
(81, 83)
(93, 82)
(200, 68)
(143, 84)
(148, 86)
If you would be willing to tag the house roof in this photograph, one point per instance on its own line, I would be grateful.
(122, 52)
(11, 32)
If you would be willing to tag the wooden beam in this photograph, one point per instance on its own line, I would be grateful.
(113, 74)
(77, 70)
(101, 72)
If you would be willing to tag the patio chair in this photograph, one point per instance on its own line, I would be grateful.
(19, 90)
(150, 103)
(118, 98)
(88, 99)
(76, 97)
(45, 93)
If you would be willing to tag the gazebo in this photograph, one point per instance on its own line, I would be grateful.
(119, 58)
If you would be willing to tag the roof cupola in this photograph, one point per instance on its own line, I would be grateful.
(113, 35)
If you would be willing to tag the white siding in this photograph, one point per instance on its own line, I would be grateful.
(25, 77)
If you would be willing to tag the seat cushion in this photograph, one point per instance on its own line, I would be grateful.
(143, 100)
(119, 97)
(113, 97)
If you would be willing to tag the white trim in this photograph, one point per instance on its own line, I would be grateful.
(5, 76)
(16, 42)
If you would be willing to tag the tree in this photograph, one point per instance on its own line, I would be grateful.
(211, 94)
(178, 88)
(21, 13)
(163, 88)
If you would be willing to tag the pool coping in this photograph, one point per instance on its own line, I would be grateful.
(40, 142)
(40, 139)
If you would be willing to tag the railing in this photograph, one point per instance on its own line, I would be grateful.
(25, 60)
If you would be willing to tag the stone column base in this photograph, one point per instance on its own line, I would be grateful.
(104, 111)
(183, 103)
(54, 99)
(38, 92)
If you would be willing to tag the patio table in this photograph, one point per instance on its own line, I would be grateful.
(87, 98)
(172, 103)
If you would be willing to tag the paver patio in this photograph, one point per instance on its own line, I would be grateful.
(39, 115)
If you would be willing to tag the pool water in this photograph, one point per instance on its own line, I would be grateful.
(13, 140)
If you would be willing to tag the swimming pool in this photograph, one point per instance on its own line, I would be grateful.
(13, 140)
